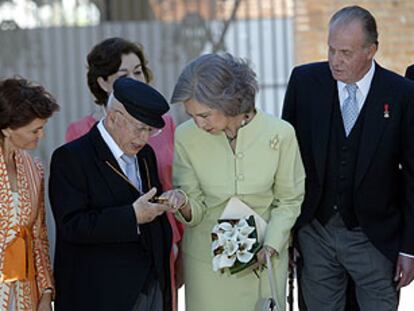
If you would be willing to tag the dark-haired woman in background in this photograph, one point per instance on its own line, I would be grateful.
(107, 61)
(26, 279)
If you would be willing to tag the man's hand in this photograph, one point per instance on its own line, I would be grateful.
(146, 211)
(293, 258)
(404, 272)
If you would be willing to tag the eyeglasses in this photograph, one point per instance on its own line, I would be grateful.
(140, 130)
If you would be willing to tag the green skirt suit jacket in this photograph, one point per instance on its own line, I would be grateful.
(266, 173)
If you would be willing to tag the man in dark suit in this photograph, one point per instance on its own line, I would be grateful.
(355, 122)
(409, 72)
(113, 243)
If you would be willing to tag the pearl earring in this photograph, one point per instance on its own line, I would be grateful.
(245, 120)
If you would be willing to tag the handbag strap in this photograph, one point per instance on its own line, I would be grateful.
(272, 282)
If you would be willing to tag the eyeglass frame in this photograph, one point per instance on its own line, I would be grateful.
(152, 131)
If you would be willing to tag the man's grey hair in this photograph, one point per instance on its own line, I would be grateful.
(219, 81)
(356, 13)
(110, 104)
(114, 104)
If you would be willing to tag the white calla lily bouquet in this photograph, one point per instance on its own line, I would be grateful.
(234, 244)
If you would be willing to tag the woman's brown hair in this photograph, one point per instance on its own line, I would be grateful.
(21, 102)
(104, 60)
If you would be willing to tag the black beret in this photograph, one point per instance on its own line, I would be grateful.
(141, 101)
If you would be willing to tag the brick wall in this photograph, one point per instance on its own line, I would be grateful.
(395, 21)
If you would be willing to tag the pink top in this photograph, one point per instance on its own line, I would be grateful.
(163, 145)
(79, 128)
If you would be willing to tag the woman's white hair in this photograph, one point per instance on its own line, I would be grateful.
(219, 81)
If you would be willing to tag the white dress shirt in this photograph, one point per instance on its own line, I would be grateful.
(113, 146)
(363, 88)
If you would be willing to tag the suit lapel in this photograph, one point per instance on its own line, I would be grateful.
(322, 119)
(119, 188)
(374, 123)
(144, 173)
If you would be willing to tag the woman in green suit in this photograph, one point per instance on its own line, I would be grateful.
(229, 149)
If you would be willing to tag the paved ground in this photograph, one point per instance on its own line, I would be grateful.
(407, 299)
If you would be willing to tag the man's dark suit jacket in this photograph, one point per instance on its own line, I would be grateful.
(383, 195)
(409, 72)
(101, 262)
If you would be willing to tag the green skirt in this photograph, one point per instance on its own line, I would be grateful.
(206, 290)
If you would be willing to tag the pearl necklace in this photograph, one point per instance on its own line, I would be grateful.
(244, 122)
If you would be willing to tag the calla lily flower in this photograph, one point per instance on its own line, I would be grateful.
(225, 226)
(223, 261)
(247, 244)
(231, 243)
(245, 230)
(231, 247)
(244, 256)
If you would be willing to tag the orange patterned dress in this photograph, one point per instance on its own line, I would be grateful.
(28, 216)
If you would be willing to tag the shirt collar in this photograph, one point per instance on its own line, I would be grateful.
(364, 84)
(113, 146)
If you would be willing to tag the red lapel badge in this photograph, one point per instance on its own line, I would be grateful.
(386, 111)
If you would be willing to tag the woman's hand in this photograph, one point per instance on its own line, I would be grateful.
(45, 303)
(176, 198)
(261, 257)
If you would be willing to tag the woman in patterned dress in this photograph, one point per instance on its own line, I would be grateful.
(25, 272)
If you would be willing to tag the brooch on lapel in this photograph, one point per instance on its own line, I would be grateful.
(386, 111)
(274, 142)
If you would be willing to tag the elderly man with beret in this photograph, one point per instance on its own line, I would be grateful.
(113, 238)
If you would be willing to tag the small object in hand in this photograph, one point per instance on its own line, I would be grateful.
(159, 200)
